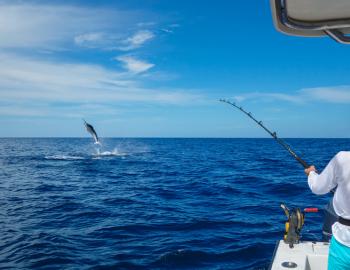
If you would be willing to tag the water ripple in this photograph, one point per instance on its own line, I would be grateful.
(151, 203)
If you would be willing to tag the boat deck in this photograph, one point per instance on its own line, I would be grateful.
(306, 255)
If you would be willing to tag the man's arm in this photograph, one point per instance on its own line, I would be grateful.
(322, 183)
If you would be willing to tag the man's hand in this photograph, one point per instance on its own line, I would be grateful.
(310, 169)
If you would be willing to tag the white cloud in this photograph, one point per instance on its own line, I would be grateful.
(268, 97)
(137, 40)
(91, 40)
(331, 94)
(27, 81)
(50, 26)
(167, 30)
(146, 24)
(39, 84)
(170, 28)
(335, 94)
(30, 109)
(134, 65)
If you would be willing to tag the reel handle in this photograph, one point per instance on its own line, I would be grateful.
(311, 210)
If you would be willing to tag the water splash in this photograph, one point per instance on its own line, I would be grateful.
(114, 152)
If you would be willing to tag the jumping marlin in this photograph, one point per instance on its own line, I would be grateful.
(91, 130)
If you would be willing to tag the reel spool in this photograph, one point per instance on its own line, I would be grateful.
(294, 224)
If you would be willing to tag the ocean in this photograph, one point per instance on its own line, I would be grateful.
(152, 203)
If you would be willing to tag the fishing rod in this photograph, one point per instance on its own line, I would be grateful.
(273, 134)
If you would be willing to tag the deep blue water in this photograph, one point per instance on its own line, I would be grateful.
(152, 203)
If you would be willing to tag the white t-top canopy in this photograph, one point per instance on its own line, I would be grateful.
(313, 18)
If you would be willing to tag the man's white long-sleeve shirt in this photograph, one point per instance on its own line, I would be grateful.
(336, 174)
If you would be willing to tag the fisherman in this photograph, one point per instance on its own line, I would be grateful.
(336, 175)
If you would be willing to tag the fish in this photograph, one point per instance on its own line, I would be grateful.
(91, 130)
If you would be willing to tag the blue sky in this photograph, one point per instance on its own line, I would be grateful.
(157, 69)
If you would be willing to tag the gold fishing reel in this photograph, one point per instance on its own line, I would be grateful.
(293, 225)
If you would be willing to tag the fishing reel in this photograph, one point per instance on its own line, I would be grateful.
(294, 224)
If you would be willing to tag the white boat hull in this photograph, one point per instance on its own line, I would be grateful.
(306, 255)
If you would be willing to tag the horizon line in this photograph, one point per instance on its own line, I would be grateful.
(158, 137)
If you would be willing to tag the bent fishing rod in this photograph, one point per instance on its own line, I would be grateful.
(273, 134)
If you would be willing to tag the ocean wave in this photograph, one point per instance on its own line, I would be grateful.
(64, 157)
(186, 204)
(196, 258)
